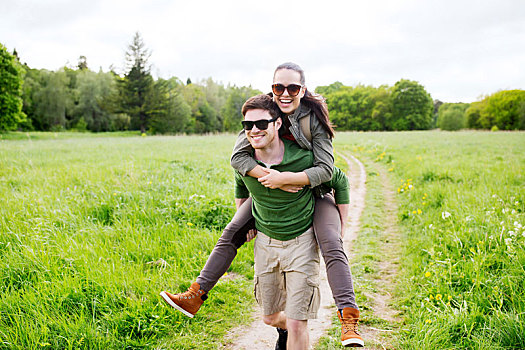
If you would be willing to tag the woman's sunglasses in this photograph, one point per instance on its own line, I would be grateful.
(293, 89)
(261, 124)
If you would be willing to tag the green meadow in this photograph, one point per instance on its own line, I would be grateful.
(93, 227)
(461, 200)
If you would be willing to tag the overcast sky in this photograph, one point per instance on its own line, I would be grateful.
(458, 50)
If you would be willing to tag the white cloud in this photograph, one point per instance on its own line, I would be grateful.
(458, 50)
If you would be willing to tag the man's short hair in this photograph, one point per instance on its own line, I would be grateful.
(264, 102)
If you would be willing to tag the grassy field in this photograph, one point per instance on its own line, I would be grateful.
(461, 211)
(93, 228)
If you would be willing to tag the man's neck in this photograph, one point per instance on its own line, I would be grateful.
(271, 154)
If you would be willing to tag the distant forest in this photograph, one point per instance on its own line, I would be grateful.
(81, 99)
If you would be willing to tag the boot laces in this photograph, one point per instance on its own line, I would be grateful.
(190, 293)
(349, 324)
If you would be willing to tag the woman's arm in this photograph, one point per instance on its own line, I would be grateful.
(322, 169)
(242, 156)
(322, 148)
(242, 160)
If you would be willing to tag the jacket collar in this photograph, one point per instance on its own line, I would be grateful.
(300, 112)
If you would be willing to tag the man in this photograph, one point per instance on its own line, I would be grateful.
(286, 255)
(286, 252)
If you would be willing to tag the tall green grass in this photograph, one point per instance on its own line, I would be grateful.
(92, 229)
(462, 214)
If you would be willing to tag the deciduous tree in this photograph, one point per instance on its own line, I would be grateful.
(11, 103)
(412, 106)
(451, 116)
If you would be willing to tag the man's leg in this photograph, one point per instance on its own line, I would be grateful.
(269, 287)
(220, 259)
(298, 338)
(277, 320)
(300, 262)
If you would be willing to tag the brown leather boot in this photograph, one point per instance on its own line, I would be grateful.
(349, 318)
(188, 302)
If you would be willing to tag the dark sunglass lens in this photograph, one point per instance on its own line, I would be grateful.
(262, 124)
(294, 89)
(247, 125)
(278, 89)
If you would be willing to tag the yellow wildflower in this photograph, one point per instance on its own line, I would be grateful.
(428, 274)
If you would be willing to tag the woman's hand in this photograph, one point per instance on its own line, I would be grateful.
(251, 234)
(274, 179)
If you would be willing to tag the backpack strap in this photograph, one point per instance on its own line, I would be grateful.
(304, 123)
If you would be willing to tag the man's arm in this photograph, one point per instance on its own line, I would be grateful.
(241, 196)
(341, 186)
(343, 213)
(251, 232)
(239, 202)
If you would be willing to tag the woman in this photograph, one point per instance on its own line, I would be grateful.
(300, 108)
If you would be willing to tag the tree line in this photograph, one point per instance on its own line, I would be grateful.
(81, 99)
(407, 106)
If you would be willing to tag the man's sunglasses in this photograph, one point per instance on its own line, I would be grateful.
(261, 124)
(293, 89)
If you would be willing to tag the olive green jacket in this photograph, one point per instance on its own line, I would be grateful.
(321, 145)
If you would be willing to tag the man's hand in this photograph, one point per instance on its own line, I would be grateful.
(291, 188)
(251, 234)
(343, 213)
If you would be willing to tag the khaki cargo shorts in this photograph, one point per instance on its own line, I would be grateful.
(287, 275)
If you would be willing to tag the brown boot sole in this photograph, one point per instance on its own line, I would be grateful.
(170, 302)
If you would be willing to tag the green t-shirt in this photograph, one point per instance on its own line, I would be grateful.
(283, 215)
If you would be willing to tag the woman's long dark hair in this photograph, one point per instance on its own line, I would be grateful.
(314, 101)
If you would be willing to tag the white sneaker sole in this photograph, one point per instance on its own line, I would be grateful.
(353, 342)
(175, 306)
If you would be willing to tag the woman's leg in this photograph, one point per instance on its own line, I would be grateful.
(220, 259)
(233, 237)
(327, 227)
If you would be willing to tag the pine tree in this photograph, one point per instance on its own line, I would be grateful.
(137, 84)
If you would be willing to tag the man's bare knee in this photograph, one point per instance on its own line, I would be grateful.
(271, 320)
(296, 326)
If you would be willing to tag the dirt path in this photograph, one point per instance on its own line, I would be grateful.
(387, 268)
(257, 335)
